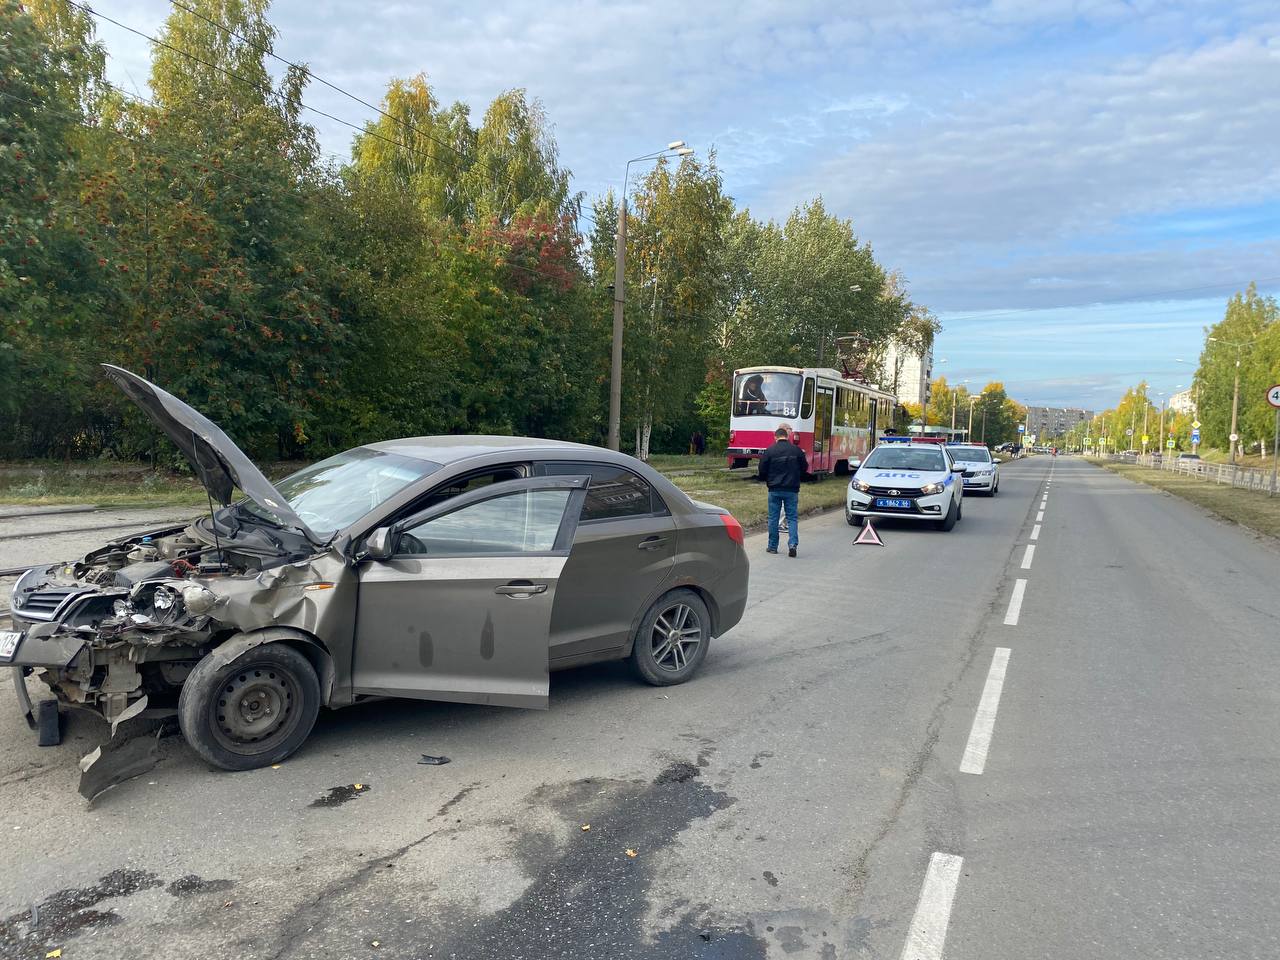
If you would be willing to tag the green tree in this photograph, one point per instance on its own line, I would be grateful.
(995, 416)
(1250, 322)
(50, 71)
(218, 226)
(673, 285)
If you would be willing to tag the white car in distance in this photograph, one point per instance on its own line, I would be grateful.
(981, 469)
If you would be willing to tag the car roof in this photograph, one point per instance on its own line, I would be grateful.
(450, 449)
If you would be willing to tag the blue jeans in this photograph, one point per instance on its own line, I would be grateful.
(778, 499)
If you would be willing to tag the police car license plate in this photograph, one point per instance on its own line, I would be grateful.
(8, 643)
(893, 504)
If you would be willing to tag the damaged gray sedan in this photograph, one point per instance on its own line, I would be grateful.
(458, 568)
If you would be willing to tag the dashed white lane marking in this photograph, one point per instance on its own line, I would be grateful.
(984, 724)
(1035, 532)
(1027, 555)
(1015, 603)
(928, 932)
(1039, 516)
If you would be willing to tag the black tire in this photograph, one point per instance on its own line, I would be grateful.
(852, 519)
(48, 723)
(960, 510)
(273, 675)
(995, 488)
(949, 521)
(653, 658)
(738, 463)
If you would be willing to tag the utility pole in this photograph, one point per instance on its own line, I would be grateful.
(677, 149)
(968, 434)
(1235, 407)
(619, 297)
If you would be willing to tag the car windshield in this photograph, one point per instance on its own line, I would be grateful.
(901, 457)
(970, 454)
(766, 394)
(336, 492)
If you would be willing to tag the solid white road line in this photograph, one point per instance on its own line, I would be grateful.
(1027, 555)
(1039, 516)
(928, 930)
(1015, 603)
(1035, 532)
(984, 724)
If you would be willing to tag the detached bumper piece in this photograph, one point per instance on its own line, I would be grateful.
(24, 699)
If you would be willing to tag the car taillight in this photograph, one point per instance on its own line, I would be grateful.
(733, 528)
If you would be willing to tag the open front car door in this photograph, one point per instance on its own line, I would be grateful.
(455, 602)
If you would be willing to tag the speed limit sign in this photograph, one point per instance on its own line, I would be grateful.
(1273, 395)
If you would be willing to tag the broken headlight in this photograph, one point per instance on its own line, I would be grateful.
(166, 605)
(198, 600)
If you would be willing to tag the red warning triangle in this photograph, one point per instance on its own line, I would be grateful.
(868, 534)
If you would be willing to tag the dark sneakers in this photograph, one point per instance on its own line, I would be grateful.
(791, 551)
(770, 549)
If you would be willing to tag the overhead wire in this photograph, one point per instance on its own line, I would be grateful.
(297, 102)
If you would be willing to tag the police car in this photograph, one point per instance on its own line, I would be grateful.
(909, 478)
(981, 469)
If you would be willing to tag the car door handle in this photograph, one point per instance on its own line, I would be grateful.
(651, 543)
(520, 590)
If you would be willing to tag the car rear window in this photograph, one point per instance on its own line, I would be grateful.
(970, 454)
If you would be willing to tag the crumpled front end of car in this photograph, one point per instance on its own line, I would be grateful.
(133, 618)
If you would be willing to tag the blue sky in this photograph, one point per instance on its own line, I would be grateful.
(1075, 188)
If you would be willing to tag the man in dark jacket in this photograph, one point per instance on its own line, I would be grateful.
(782, 467)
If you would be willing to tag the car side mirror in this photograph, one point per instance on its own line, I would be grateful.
(957, 468)
(378, 545)
(996, 460)
(855, 465)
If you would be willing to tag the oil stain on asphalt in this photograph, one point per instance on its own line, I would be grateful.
(589, 898)
(64, 914)
(337, 796)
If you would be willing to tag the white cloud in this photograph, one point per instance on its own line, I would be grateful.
(993, 202)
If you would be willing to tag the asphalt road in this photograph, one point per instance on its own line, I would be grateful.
(803, 797)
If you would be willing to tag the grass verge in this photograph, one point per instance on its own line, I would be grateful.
(707, 478)
(103, 485)
(1249, 508)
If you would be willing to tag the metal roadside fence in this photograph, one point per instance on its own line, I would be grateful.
(1246, 478)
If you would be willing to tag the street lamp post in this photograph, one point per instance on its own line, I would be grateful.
(675, 148)
(968, 434)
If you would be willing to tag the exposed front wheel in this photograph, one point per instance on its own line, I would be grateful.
(852, 519)
(949, 521)
(251, 712)
(672, 640)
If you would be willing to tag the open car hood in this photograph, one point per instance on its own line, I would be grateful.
(220, 464)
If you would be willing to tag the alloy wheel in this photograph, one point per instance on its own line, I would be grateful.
(677, 631)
